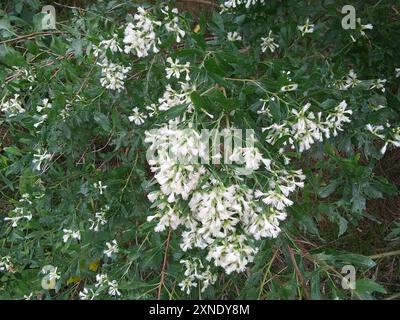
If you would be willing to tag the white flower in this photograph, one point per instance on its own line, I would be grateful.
(268, 43)
(351, 81)
(234, 36)
(111, 248)
(378, 84)
(39, 120)
(375, 130)
(12, 107)
(275, 199)
(173, 25)
(71, 234)
(306, 28)
(53, 275)
(176, 69)
(87, 294)
(101, 279)
(138, 117)
(113, 288)
(290, 87)
(99, 185)
(264, 108)
(45, 105)
(111, 44)
(397, 72)
(363, 27)
(99, 219)
(28, 297)
(186, 284)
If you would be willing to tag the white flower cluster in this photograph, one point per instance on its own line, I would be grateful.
(113, 75)
(172, 25)
(102, 283)
(225, 220)
(172, 98)
(104, 45)
(99, 219)
(42, 109)
(6, 264)
(68, 233)
(352, 81)
(195, 273)
(175, 154)
(41, 160)
(390, 138)
(250, 156)
(232, 254)
(378, 84)
(236, 3)
(18, 214)
(12, 107)
(304, 127)
(140, 36)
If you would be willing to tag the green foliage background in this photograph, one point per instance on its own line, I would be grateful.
(346, 214)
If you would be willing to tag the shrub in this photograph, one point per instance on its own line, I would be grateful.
(151, 153)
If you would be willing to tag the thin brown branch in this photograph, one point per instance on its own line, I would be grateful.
(31, 35)
(164, 266)
(209, 3)
(298, 274)
(385, 254)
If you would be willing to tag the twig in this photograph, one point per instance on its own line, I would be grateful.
(202, 2)
(385, 254)
(298, 273)
(105, 146)
(31, 35)
(164, 266)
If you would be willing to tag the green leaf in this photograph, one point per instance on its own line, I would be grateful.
(212, 66)
(198, 100)
(326, 191)
(315, 287)
(102, 120)
(172, 113)
(13, 150)
(26, 181)
(369, 286)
